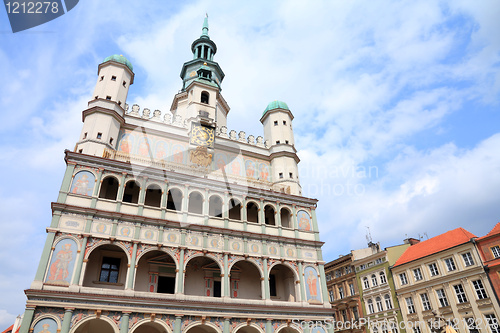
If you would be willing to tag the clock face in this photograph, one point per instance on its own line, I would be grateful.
(202, 136)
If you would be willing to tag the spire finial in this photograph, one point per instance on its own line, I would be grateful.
(205, 26)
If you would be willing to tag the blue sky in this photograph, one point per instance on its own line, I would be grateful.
(407, 90)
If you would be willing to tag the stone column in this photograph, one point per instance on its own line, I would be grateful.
(27, 319)
(164, 197)
(79, 260)
(121, 189)
(269, 326)
(302, 286)
(180, 273)
(177, 324)
(97, 184)
(66, 183)
(226, 328)
(131, 269)
(125, 322)
(44, 260)
(266, 280)
(226, 277)
(68, 314)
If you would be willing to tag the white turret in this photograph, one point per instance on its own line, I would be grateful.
(277, 120)
(104, 116)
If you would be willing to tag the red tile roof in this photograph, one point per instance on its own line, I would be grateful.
(434, 245)
(494, 231)
(9, 329)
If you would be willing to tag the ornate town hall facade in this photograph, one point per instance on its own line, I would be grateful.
(170, 223)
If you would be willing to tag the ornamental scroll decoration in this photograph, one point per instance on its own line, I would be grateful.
(200, 156)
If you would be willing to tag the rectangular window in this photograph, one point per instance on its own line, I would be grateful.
(416, 329)
(110, 141)
(478, 287)
(382, 278)
(80, 151)
(84, 135)
(286, 141)
(403, 279)
(108, 98)
(332, 297)
(459, 290)
(418, 274)
(394, 327)
(468, 261)
(124, 84)
(442, 298)
(341, 292)
(409, 305)
(371, 309)
(102, 78)
(351, 289)
(217, 289)
(355, 313)
(471, 325)
(281, 175)
(450, 264)
(291, 174)
(110, 268)
(328, 277)
(275, 123)
(426, 304)
(99, 135)
(344, 315)
(278, 142)
(284, 122)
(433, 269)
(113, 78)
(496, 251)
(492, 323)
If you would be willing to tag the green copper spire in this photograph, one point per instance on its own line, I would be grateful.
(205, 27)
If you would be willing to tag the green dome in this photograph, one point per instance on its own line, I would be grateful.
(276, 105)
(121, 59)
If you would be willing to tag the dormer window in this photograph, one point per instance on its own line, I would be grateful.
(204, 97)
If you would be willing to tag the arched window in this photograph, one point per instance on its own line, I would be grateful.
(205, 97)
(371, 309)
(285, 218)
(109, 188)
(252, 212)
(388, 303)
(153, 196)
(174, 199)
(366, 284)
(382, 278)
(374, 280)
(269, 215)
(215, 206)
(195, 203)
(131, 193)
(379, 304)
(234, 209)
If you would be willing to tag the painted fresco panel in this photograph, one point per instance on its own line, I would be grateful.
(312, 284)
(62, 263)
(46, 325)
(304, 220)
(83, 183)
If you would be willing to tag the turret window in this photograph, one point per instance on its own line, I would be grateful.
(205, 97)
(110, 141)
(278, 142)
(102, 78)
(286, 141)
(113, 78)
(84, 135)
(276, 123)
(124, 84)
(284, 122)
(108, 98)
(99, 135)
(291, 175)
(281, 175)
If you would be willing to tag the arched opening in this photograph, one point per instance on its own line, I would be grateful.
(156, 273)
(282, 283)
(234, 209)
(174, 199)
(247, 329)
(131, 193)
(245, 281)
(285, 218)
(269, 215)
(288, 329)
(109, 188)
(153, 196)
(106, 268)
(201, 329)
(215, 206)
(150, 327)
(252, 212)
(203, 278)
(195, 204)
(95, 325)
(205, 97)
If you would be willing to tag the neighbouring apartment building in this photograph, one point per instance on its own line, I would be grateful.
(489, 248)
(376, 287)
(443, 277)
(343, 294)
